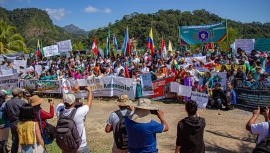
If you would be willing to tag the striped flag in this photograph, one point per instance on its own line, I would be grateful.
(94, 47)
(38, 50)
(150, 43)
(163, 51)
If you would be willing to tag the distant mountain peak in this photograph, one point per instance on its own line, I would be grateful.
(74, 29)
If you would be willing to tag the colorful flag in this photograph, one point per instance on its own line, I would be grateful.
(183, 42)
(170, 46)
(115, 43)
(108, 44)
(125, 48)
(150, 43)
(94, 47)
(38, 50)
(175, 64)
(163, 51)
(126, 71)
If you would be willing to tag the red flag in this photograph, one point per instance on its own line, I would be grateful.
(94, 47)
(163, 46)
(129, 47)
(126, 71)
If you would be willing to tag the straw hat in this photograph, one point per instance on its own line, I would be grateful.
(123, 100)
(76, 88)
(142, 112)
(197, 49)
(35, 100)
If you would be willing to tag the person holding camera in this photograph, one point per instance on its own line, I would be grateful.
(190, 131)
(142, 130)
(123, 103)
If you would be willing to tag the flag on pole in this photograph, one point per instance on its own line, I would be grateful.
(150, 43)
(38, 49)
(94, 47)
(126, 44)
(115, 44)
(170, 46)
(108, 44)
(183, 42)
(163, 51)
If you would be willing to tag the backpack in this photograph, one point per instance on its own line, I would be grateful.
(120, 133)
(2, 120)
(48, 133)
(264, 145)
(66, 133)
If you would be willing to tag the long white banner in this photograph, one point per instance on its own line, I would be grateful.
(50, 50)
(64, 46)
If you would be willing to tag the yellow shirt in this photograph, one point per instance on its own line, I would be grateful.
(26, 132)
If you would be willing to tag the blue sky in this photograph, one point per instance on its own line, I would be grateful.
(91, 14)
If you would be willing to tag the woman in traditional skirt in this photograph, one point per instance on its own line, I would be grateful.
(137, 78)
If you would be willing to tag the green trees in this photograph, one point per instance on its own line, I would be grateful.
(10, 40)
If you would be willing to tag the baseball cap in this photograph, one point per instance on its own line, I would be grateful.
(16, 91)
(3, 92)
(69, 98)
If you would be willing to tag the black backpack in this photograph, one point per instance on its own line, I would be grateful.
(264, 145)
(66, 133)
(120, 133)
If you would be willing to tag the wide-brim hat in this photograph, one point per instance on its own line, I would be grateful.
(35, 100)
(177, 52)
(144, 103)
(76, 88)
(197, 49)
(141, 116)
(123, 100)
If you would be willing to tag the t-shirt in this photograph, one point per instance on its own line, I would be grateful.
(78, 119)
(262, 129)
(142, 136)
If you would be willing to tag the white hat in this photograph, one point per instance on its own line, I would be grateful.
(69, 98)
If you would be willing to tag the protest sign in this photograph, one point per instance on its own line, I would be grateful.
(50, 50)
(198, 34)
(6, 70)
(161, 88)
(245, 44)
(9, 82)
(45, 86)
(20, 65)
(184, 90)
(64, 46)
(103, 86)
(174, 87)
(146, 83)
(200, 98)
(38, 69)
(262, 44)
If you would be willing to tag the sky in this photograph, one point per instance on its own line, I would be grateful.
(92, 14)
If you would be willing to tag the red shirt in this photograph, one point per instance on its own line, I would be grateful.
(44, 116)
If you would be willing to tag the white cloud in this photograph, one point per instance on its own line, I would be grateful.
(57, 14)
(91, 9)
(2, 1)
(107, 10)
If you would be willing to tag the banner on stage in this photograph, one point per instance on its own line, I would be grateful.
(103, 86)
(245, 44)
(161, 88)
(262, 44)
(198, 34)
(50, 50)
(9, 82)
(146, 83)
(64, 46)
(44, 86)
(200, 98)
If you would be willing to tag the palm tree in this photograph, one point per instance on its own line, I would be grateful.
(10, 40)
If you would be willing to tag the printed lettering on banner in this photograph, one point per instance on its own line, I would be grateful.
(50, 50)
(200, 98)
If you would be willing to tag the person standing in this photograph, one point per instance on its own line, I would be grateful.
(68, 107)
(124, 108)
(142, 130)
(190, 131)
(11, 112)
(4, 130)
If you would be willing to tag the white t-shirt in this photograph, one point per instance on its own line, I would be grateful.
(78, 119)
(262, 129)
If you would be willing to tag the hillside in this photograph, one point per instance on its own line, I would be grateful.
(34, 24)
(74, 29)
(165, 23)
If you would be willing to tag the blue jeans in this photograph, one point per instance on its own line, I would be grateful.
(218, 103)
(27, 148)
(80, 150)
(15, 141)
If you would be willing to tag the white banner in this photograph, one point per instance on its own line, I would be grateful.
(50, 50)
(245, 44)
(190, 60)
(9, 82)
(20, 65)
(103, 86)
(200, 98)
(64, 46)
(6, 70)
(38, 69)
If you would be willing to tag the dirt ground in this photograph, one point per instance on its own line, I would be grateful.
(224, 133)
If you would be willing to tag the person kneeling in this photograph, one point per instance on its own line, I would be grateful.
(218, 97)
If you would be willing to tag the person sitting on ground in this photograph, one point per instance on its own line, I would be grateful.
(123, 103)
(26, 125)
(190, 131)
(218, 97)
(231, 96)
(260, 129)
(141, 129)
(67, 107)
